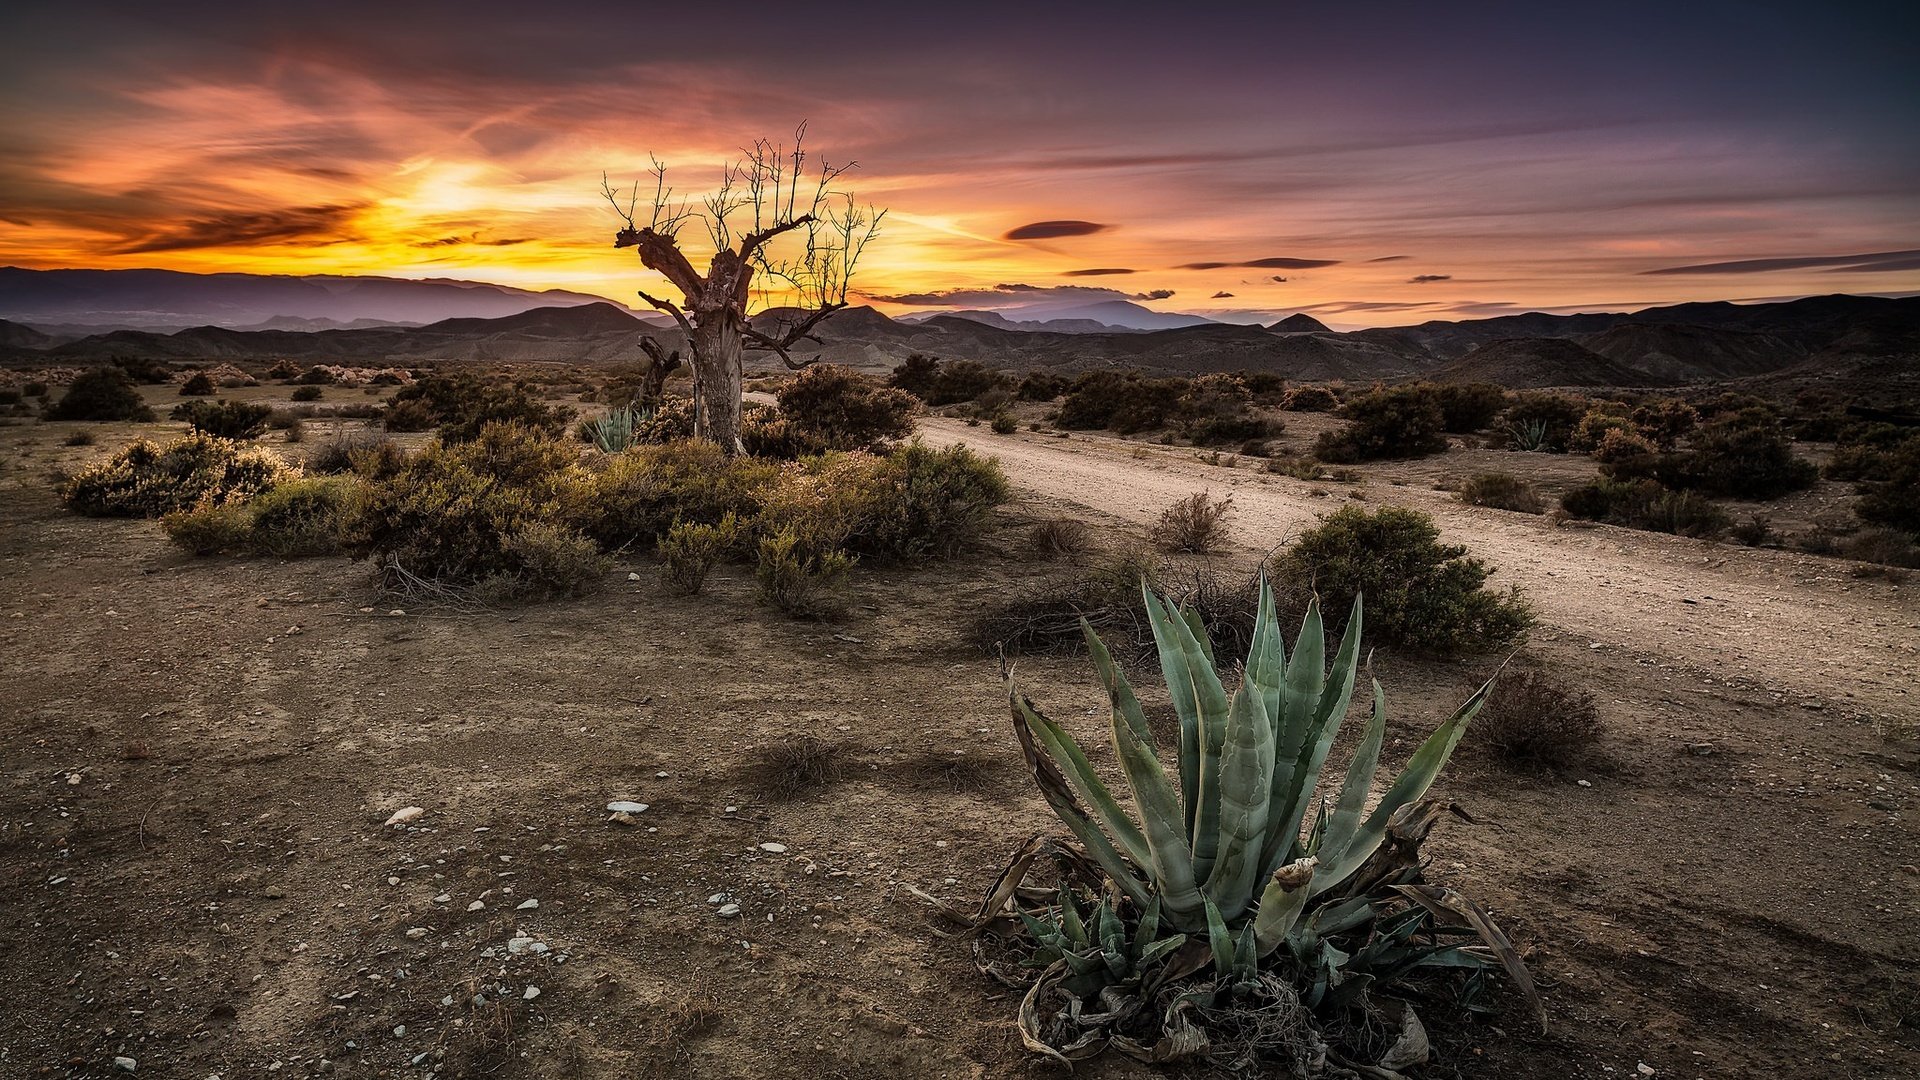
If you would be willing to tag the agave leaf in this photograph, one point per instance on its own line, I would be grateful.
(1148, 930)
(1281, 903)
(1198, 629)
(1448, 904)
(1158, 949)
(1180, 687)
(1411, 784)
(1084, 963)
(1114, 681)
(1267, 659)
(1246, 779)
(1246, 961)
(1071, 924)
(1221, 941)
(1210, 723)
(1171, 858)
(1353, 793)
(1053, 788)
(1326, 708)
(1047, 935)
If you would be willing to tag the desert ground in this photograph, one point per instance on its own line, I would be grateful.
(201, 754)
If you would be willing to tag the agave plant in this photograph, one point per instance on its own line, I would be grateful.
(1528, 435)
(1238, 847)
(614, 432)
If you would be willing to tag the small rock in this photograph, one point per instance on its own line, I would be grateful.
(728, 911)
(400, 1031)
(443, 898)
(481, 905)
(775, 849)
(126, 1063)
(1584, 783)
(527, 905)
(733, 809)
(623, 806)
(530, 993)
(397, 612)
(623, 819)
(417, 933)
(406, 814)
(1644, 1069)
(632, 576)
(660, 776)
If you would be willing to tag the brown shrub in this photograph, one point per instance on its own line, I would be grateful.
(1194, 525)
(1533, 719)
(1061, 536)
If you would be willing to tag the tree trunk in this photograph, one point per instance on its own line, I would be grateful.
(718, 356)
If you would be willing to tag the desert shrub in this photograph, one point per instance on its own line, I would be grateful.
(1216, 410)
(1196, 524)
(147, 480)
(673, 420)
(1594, 427)
(767, 434)
(1756, 530)
(316, 376)
(1469, 407)
(1124, 403)
(1310, 399)
(913, 502)
(284, 370)
(963, 380)
(226, 419)
(1298, 468)
(1665, 420)
(295, 428)
(1540, 421)
(801, 583)
(1400, 422)
(308, 393)
(1895, 501)
(690, 550)
(200, 385)
(402, 416)
(1047, 620)
(1255, 448)
(1532, 718)
(79, 438)
(1883, 547)
(635, 497)
(1868, 451)
(1646, 504)
(1055, 537)
(1003, 424)
(1502, 491)
(1743, 456)
(460, 405)
(337, 454)
(483, 514)
(300, 516)
(795, 767)
(1041, 386)
(1626, 455)
(916, 375)
(143, 369)
(1732, 403)
(837, 408)
(103, 393)
(1419, 592)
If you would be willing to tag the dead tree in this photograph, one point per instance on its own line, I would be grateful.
(776, 231)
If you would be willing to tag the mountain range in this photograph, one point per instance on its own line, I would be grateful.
(1684, 344)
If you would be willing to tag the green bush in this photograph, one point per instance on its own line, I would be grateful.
(1895, 501)
(689, 551)
(635, 497)
(316, 376)
(1003, 423)
(916, 375)
(484, 514)
(1540, 421)
(1419, 592)
(1400, 422)
(200, 385)
(1868, 451)
(1502, 491)
(1119, 402)
(1665, 421)
(144, 369)
(1469, 407)
(302, 516)
(1646, 504)
(836, 409)
(914, 502)
(226, 419)
(1626, 455)
(1217, 410)
(803, 584)
(104, 393)
(1595, 426)
(1041, 386)
(460, 405)
(146, 480)
(308, 393)
(1744, 456)
(1310, 399)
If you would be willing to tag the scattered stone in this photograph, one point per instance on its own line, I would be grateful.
(775, 849)
(632, 576)
(417, 933)
(728, 911)
(400, 1031)
(1584, 783)
(660, 776)
(527, 905)
(406, 814)
(481, 905)
(733, 809)
(623, 806)
(531, 993)
(126, 1063)
(397, 612)
(1702, 749)
(443, 898)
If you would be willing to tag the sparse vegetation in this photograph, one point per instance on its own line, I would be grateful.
(1645, 504)
(144, 479)
(1195, 525)
(804, 584)
(308, 393)
(1055, 537)
(1542, 422)
(835, 409)
(1469, 407)
(197, 385)
(225, 419)
(690, 550)
(299, 516)
(1502, 491)
(1534, 719)
(1420, 592)
(103, 393)
(1400, 422)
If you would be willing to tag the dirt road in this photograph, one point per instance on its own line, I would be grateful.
(1796, 625)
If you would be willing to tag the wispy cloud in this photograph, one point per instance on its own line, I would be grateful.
(1422, 279)
(1051, 230)
(1877, 262)
(1277, 262)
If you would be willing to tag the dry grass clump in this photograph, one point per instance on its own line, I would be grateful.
(1195, 525)
(1060, 536)
(954, 770)
(674, 1024)
(797, 767)
(1533, 719)
(1502, 491)
(1046, 620)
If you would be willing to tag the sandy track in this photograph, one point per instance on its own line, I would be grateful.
(1792, 623)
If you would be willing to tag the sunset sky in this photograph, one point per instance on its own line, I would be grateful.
(1372, 164)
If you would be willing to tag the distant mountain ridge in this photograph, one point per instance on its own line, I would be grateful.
(171, 299)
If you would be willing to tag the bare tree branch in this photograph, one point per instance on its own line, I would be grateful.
(672, 309)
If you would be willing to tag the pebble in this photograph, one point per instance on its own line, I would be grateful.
(728, 911)
(417, 933)
(527, 905)
(659, 776)
(632, 576)
(776, 849)
(442, 899)
(400, 1031)
(126, 1063)
(1584, 783)
(531, 993)
(477, 905)
(622, 806)
(406, 814)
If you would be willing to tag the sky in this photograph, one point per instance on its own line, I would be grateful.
(1369, 163)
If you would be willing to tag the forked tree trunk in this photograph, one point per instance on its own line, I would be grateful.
(718, 355)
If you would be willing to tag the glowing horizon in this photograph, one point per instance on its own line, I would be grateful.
(1382, 186)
